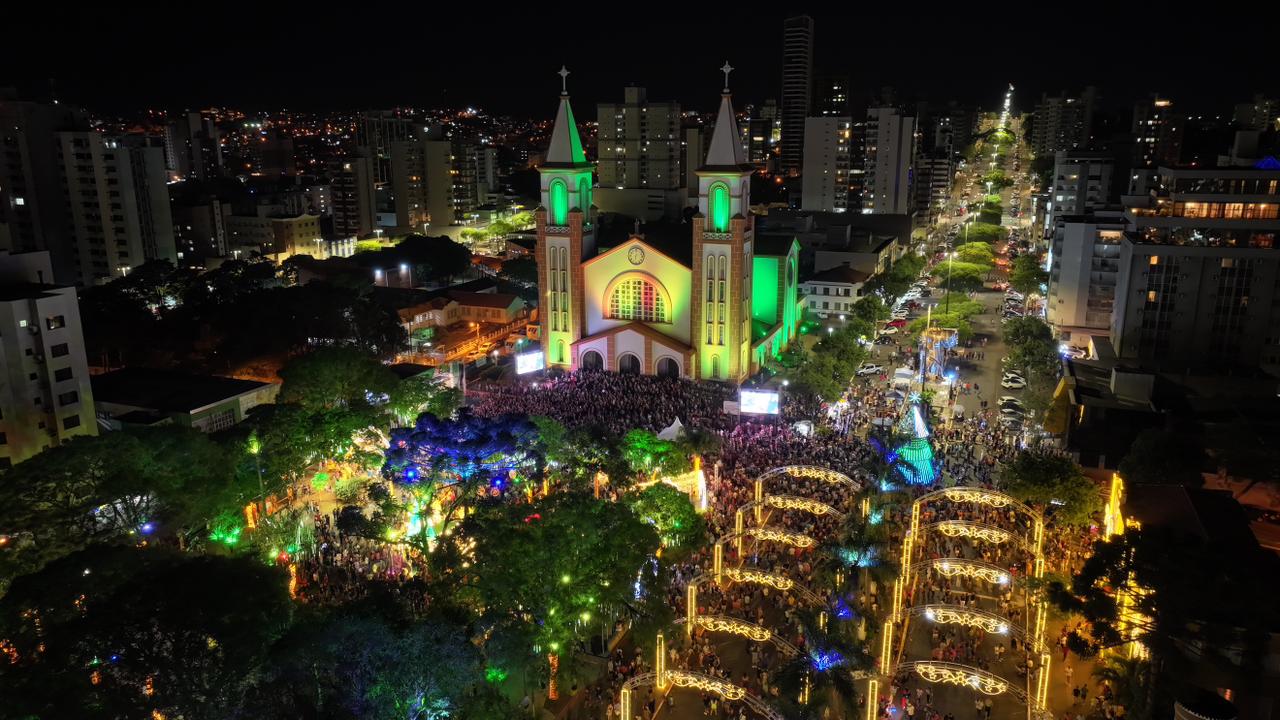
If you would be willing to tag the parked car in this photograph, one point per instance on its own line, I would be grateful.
(899, 323)
(1010, 400)
(869, 369)
(889, 331)
(1013, 383)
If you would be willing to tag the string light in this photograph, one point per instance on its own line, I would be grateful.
(704, 683)
(716, 623)
(758, 577)
(957, 529)
(963, 676)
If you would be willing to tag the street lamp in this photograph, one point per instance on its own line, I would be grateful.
(950, 259)
(405, 269)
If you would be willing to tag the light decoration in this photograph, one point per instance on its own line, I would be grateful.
(809, 472)
(959, 567)
(293, 580)
(824, 661)
(759, 577)
(1042, 681)
(873, 699)
(792, 502)
(553, 689)
(886, 647)
(691, 609)
(717, 623)
(956, 529)
(782, 536)
(704, 683)
(916, 463)
(660, 659)
(963, 676)
(976, 495)
(944, 615)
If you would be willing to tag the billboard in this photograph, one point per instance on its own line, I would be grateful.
(758, 402)
(529, 362)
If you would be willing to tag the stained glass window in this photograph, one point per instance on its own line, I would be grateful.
(637, 299)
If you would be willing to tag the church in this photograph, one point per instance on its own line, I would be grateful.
(702, 300)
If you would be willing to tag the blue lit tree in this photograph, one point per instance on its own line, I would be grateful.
(915, 463)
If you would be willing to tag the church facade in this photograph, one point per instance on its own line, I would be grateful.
(714, 305)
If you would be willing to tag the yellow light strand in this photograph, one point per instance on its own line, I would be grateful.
(985, 684)
(726, 691)
(751, 631)
(983, 534)
(758, 577)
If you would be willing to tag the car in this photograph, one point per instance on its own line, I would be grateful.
(1009, 399)
(927, 292)
(1010, 410)
(899, 314)
(883, 340)
(869, 369)
(1014, 383)
(899, 323)
(889, 331)
(1010, 422)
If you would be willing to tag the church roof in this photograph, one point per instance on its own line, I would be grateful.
(726, 142)
(565, 150)
(655, 335)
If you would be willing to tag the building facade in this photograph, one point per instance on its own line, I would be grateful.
(422, 175)
(797, 88)
(1199, 275)
(827, 163)
(709, 308)
(352, 194)
(1081, 182)
(888, 152)
(1083, 270)
(45, 396)
(1062, 122)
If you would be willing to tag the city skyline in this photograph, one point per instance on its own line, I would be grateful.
(110, 66)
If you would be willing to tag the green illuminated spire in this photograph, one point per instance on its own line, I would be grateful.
(566, 146)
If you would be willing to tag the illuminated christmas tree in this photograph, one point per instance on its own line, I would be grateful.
(915, 461)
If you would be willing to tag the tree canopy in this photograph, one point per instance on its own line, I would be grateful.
(961, 276)
(1026, 276)
(1162, 457)
(1054, 483)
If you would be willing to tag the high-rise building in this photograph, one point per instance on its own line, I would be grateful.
(193, 147)
(118, 203)
(45, 396)
(1260, 114)
(470, 186)
(932, 180)
(422, 175)
(797, 87)
(32, 201)
(1084, 265)
(888, 152)
(1199, 271)
(639, 142)
(763, 132)
(827, 162)
(351, 191)
(1157, 140)
(1062, 122)
(273, 153)
(691, 153)
(380, 131)
(1081, 183)
(832, 96)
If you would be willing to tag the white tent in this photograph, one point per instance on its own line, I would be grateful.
(673, 431)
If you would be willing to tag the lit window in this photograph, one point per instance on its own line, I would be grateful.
(637, 299)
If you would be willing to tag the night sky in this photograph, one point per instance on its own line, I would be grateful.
(379, 55)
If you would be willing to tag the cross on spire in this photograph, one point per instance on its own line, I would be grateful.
(726, 70)
(564, 79)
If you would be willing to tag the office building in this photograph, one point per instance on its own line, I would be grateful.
(887, 156)
(1062, 122)
(639, 149)
(351, 192)
(797, 88)
(764, 129)
(1199, 274)
(827, 162)
(199, 226)
(1084, 263)
(1157, 141)
(422, 175)
(45, 396)
(1081, 182)
(1261, 114)
(118, 206)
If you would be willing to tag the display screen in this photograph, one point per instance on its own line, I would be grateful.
(758, 402)
(529, 362)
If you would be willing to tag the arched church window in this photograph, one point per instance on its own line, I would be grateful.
(638, 299)
(719, 207)
(584, 194)
(559, 202)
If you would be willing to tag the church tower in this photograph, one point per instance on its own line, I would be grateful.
(722, 254)
(566, 236)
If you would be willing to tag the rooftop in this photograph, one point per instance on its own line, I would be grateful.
(167, 390)
(10, 292)
(841, 274)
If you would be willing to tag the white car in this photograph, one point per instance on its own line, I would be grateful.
(1013, 383)
(1010, 400)
(889, 331)
(869, 369)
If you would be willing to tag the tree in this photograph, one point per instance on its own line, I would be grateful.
(1163, 458)
(132, 632)
(961, 276)
(1026, 276)
(976, 253)
(1191, 602)
(958, 321)
(524, 270)
(446, 257)
(982, 232)
(575, 455)
(898, 279)
(539, 574)
(1052, 482)
(680, 528)
(415, 395)
(870, 309)
(649, 456)
(329, 377)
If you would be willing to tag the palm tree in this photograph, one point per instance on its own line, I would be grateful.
(831, 656)
(1129, 679)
